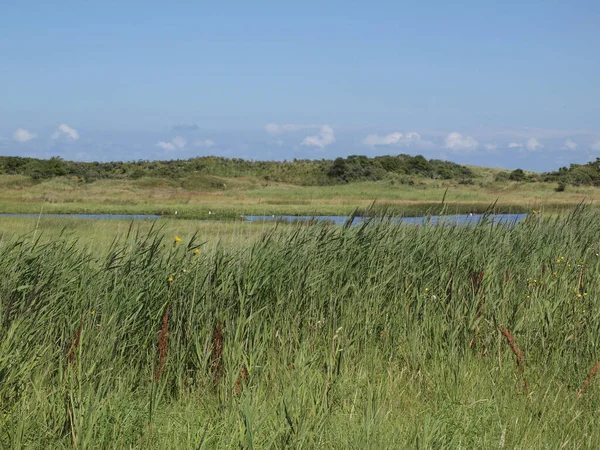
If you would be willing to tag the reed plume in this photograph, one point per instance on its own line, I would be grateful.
(163, 345)
(589, 378)
(518, 353)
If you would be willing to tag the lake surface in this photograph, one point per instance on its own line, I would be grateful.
(509, 219)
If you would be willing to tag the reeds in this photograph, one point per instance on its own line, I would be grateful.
(240, 381)
(216, 356)
(163, 345)
(591, 373)
(518, 355)
(210, 333)
(74, 344)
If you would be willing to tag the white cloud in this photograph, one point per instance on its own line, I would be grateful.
(533, 144)
(490, 147)
(325, 137)
(596, 145)
(392, 139)
(569, 145)
(168, 146)
(66, 131)
(273, 128)
(177, 142)
(23, 135)
(204, 143)
(456, 141)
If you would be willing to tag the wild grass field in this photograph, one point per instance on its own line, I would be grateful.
(99, 234)
(194, 196)
(302, 336)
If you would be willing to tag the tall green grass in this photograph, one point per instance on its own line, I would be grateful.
(372, 336)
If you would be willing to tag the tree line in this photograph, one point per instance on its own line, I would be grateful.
(297, 171)
(302, 172)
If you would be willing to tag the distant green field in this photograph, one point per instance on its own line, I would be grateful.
(299, 336)
(101, 233)
(194, 196)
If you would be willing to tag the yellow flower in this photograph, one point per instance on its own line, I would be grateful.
(554, 274)
(177, 239)
(170, 280)
(426, 289)
(93, 312)
(196, 251)
(578, 294)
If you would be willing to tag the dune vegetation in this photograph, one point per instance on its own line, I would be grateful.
(196, 195)
(304, 336)
(406, 185)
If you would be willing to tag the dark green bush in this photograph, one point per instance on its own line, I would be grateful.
(517, 175)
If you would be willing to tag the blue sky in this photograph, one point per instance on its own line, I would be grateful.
(507, 84)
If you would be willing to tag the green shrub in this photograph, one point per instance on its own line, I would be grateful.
(517, 175)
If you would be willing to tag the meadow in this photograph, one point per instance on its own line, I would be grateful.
(99, 234)
(196, 195)
(120, 335)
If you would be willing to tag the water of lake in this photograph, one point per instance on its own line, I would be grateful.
(509, 219)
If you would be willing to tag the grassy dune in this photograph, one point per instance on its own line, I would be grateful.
(195, 196)
(378, 336)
